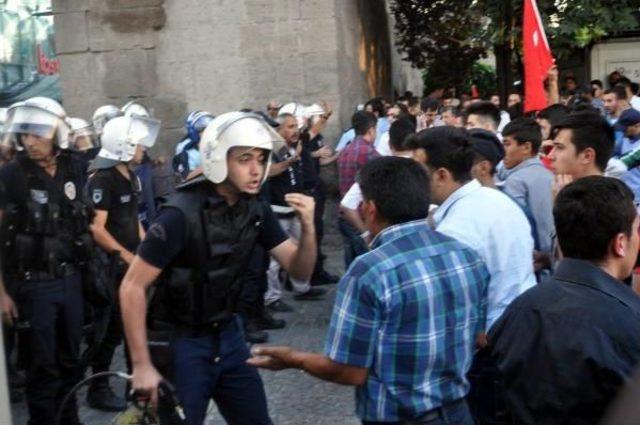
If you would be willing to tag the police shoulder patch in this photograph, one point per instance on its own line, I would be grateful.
(96, 196)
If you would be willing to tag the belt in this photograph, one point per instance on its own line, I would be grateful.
(436, 413)
(62, 270)
(197, 331)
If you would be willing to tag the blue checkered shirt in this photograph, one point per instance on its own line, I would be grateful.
(409, 311)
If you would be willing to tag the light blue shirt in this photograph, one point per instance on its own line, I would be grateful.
(346, 137)
(529, 183)
(194, 154)
(494, 226)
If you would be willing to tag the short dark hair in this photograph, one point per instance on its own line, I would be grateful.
(589, 213)
(569, 77)
(377, 105)
(554, 113)
(399, 131)
(589, 130)
(619, 91)
(487, 147)
(429, 104)
(447, 147)
(524, 130)
(362, 121)
(399, 187)
(413, 101)
(597, 83)
(486, 110)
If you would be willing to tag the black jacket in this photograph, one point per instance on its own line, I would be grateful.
(566, 346)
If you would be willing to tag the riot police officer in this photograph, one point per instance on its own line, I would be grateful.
(103, 115)
(83, 139)
(45, 239)
(199, 247)
(113, 190)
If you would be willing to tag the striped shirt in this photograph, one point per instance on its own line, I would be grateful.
(409, 311)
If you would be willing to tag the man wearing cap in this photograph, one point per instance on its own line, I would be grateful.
(629, 123)
(45, 240)
(198, 250)
(114, 190)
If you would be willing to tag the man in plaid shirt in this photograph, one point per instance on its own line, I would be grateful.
(359, 151)
(407, 313)
(352, 158)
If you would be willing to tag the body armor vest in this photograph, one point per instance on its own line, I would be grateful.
(50, 228)
(202, 284)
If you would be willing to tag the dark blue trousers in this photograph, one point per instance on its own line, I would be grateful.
(52, 315)
(214, 367)
(354, 245)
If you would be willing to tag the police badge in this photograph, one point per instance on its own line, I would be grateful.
(70, 190)
(96, 197)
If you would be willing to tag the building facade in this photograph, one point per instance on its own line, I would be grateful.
(220, 55)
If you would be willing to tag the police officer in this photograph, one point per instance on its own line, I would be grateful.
(114, 190)
(199, 246)
(187, 157)
(103, 115)
(83, 139)
(45, 238)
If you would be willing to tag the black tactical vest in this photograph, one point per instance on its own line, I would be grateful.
(202, 284)
(47, 229)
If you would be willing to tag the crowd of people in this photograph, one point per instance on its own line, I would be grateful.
(488, 253)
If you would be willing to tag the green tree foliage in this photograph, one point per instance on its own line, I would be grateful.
(451, 35)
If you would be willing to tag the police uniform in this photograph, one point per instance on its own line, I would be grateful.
(110, 191)
(204, 246)
(45, 240)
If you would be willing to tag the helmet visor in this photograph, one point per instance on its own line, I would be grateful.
(144, 131)
(30, 120)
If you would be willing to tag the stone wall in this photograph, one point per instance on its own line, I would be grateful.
(221, 55)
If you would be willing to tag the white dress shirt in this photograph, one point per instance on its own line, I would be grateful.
(489, 222)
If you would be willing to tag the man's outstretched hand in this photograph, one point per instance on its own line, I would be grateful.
(272, 358)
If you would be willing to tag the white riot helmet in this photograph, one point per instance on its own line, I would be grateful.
(3, 119)
(102, 115)
(134, 108)
(81, 137)
(120, 138)
(231, 130)
(39, 116)
(297, 110)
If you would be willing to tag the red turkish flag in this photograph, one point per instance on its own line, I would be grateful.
(537, 58)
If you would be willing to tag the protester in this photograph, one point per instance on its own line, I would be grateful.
(527, 181)
(565, 347)
(429, 117)
(629, 124)
(350, 161)
(482, 115)
(489, 152)
(582, 145)
(394, 298)
(451, 116)
(615, 102)
(493, 225)
(399, 134)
